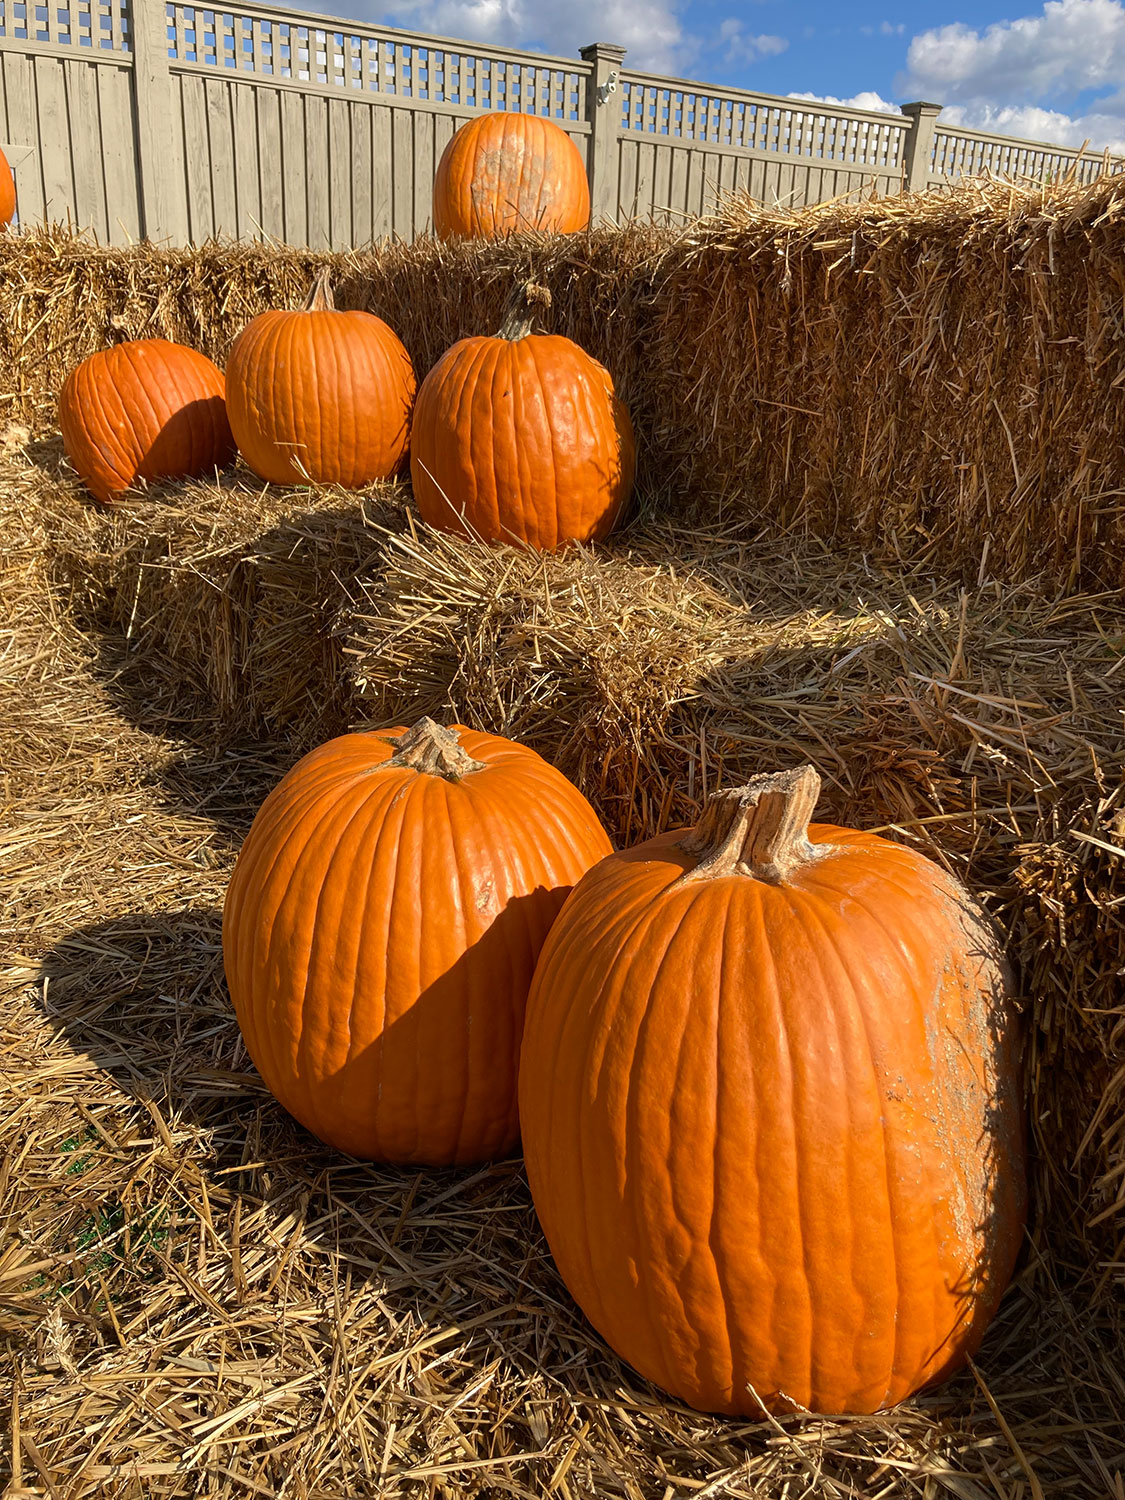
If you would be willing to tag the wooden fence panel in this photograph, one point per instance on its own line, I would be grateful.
(158, 117)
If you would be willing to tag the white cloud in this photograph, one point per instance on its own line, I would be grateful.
(650, 29)
(1017, 77)
(865, 100)
(892, 28)
(745, 47)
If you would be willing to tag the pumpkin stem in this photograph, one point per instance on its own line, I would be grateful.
(433, 751)
(522, 310)
(760, 829)
(320, 298)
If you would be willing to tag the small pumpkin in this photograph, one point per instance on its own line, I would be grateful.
(505, 172)
(521, 438)
(381, 928)
(316, 394)
(771, 1109)
(7, 192)
(144, 409)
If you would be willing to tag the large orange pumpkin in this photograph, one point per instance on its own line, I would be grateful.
(771, 1112)
(520, 438)
(145, 409)
(7, 192)
(506, 172)
(381, 929)
(322, 395)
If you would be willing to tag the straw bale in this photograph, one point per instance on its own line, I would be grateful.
(214, 600)
(984, 725)
(937, 375)
(198, 1298)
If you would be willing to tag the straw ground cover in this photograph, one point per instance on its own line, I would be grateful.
(197, 1298)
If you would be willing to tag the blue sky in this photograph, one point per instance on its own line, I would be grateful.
(1052, 71)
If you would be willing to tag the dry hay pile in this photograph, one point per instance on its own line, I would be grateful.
(986, 725)
(938, 376)
(195, 1297)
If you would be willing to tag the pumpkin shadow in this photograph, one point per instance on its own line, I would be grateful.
(143, 1000)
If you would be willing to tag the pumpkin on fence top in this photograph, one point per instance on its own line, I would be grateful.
(381, 928)
(7, 192)
(144, 409)
(319, 394)
(771, 1111)
(520, 437)
(506, 172)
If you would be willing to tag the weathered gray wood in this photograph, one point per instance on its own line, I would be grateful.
(402, 175)
(55, 154)
(425, 165)
(87, 150)
(362, 198)
(197, 158)
(382, 213)
(220, 136)
(316, 168)
(340, 173)
(270, 164)
(293, 167)
(247, 181)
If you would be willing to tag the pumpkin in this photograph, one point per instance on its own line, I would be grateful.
(506, 172)
(381, 928)
(320, 395)
(7, 192)
(144, 409)
(520, 438)
(771, 1110)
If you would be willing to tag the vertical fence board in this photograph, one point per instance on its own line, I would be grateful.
(424, 167)
(269, 161)
(362, 222)
(87, 149)
(402, 173)
(119, 155)
(197, 157)
(244, 116)
(382, 217)
(340, 173)
(54, 139)
(316, 167)
(293, 167)
(220, 136)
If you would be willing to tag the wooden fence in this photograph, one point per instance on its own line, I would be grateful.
(157, 118)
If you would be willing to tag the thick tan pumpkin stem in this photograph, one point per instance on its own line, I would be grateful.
(522, 310)
(433, 751)
(320, 298)
(760, 829)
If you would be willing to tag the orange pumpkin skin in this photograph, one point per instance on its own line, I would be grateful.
(321, 395)
(506, 172)
(772, 1127)
(7, 192)
(146, 409)
(521, 440)
(380, 932)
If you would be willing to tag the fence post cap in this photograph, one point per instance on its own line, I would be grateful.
(921, 107)
(610, 51)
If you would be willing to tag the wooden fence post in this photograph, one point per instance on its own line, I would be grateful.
(603, 110)
(163, 196)
(919, 145)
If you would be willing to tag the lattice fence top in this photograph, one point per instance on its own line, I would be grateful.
(101, 25)
(276, 47)
(653, 107)
(961, 153)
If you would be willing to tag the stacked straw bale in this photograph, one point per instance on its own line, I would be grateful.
(986, 725)
(939, 376)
